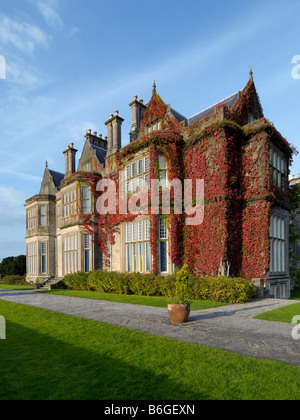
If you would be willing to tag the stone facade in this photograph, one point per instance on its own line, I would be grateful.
(241, 146)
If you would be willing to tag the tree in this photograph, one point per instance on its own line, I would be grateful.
(13, 266)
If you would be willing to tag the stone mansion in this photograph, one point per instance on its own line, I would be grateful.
(243, 160)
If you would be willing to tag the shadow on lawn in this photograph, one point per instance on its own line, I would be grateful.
(35, 366)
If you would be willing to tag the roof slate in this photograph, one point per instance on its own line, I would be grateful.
(57, 177)
(100, 153)
(231, 100)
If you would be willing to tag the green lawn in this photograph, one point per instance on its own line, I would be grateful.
(15, 287)
(284, 314)
(48, 355)
(160, 302)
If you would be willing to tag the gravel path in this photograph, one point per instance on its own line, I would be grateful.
(229, 328)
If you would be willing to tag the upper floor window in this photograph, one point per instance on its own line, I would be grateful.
(251, 118)
(43, 216)
(162, 167)
(69, 203)
(86, 199)
(31, 217)
(135, 177)
(154, 127)
(278, 168)
(87, 167)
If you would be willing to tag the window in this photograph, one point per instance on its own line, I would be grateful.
(31, 213)
(86, 253)
(86, 200)
(134, 257)
(128, 259)
(162, 171)
(127, 172)
(137, 246)
(146, 162)
(71, 254)
(32, 259)
(43, 215)
(140, 231)
(134, 232)
(251, 118)
(140, 167)
(147, 181)
(163, 257)
(87, 167)
(277, 250)
(148, 258)
(147, 229)
(69, 203)
(44, 258)
(278, 168)
(133, 169)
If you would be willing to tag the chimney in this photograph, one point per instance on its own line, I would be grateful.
(138, 110)
(109, 135)
(70, 161)
(95, 139)
(113, 125)
(117, 136)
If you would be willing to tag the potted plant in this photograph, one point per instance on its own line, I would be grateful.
(178, 307)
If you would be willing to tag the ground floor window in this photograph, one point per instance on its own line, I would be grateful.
(32, 259)
(71, 254)
(137, 247)
(87, 253)
(163, 246)
(44, 258)
(277, 242)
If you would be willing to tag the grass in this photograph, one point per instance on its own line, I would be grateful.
(159, 302)
(52, 356)
(15, 287)
(284, 314)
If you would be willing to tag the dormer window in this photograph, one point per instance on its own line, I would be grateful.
(154, 127)
(87, 167)
(251, 118)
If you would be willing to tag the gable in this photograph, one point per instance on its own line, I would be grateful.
(92, 157)
(51, 182)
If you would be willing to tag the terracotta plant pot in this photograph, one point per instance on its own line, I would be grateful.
(178, 312)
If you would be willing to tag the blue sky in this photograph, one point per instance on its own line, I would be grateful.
(70, 63)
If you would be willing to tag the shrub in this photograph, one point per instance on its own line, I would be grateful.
(77, 281)
(14, 279)
(182, 284)
(109, 282)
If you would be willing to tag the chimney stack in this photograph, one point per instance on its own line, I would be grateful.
(114, 141)
(138, 110)
(70, 160)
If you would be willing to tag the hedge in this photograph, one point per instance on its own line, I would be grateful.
(14, 279)
(220, 289)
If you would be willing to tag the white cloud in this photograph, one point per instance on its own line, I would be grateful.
(22, 35)
(11, 197)
(49, 10)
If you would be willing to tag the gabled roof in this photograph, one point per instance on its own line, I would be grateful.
(57, 177)
(231, 100)
(100, 153)
(179, 117)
